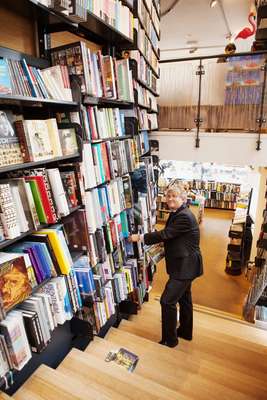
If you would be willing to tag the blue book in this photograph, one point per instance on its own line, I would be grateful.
(40, 255)
(29, 78)
(5, 82)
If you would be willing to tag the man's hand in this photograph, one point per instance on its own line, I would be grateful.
(134, 238)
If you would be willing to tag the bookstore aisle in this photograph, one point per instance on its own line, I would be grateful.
(215, 289)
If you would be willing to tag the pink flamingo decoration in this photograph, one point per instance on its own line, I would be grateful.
(247, 32)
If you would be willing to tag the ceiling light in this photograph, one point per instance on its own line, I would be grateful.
(213, 3)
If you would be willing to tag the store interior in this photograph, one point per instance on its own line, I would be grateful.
(104, 104)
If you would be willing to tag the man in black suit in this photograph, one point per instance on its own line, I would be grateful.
(183, 263)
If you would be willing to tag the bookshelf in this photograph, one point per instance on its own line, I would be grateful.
(254, 309)
(104, 169)
(218, 195)
(238, 250)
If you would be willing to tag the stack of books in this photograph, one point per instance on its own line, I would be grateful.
(97, 75)
(20, 79)
(35, 197)
(115, 14)
(102, 123)
(24, 140)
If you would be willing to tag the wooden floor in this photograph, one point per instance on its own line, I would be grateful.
(215, 288)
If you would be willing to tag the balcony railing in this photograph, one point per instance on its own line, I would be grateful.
(215, 94)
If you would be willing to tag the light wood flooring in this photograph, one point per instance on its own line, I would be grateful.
(215, 288)
(225, 361)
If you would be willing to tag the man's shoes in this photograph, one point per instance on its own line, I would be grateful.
(185, 337)
(168, 344)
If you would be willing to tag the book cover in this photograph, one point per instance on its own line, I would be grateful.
(39, 140)
(68, 141)
(5, 82)
(10, 152)
(70, 186)
(14, 281)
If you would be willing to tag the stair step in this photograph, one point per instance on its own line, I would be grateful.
(166, 373)
(49, 384)
(216, 372)
(231, 327)
(202, 331)
(116, 378)
(210, 349)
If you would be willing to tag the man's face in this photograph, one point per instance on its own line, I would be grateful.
(173, 200)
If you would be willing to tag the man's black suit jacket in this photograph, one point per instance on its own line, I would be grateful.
(181, 242)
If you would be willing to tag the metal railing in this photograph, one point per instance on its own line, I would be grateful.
(218, 93)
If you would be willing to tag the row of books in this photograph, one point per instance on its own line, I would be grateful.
(43, 255)
(144, 72)
(35, 197)
(24, 140)
(230, 205)
(75, 10)
(147, 121)
(114, 13)
(20, 79)
(145, 47)
(147, 23)
(30, 327)
(106, 202)
(105, 161)
(102, 123)
(221, 187)
(144, 97)
(220, 196)
(97, 75)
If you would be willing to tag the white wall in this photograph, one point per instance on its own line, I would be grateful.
(222, 148)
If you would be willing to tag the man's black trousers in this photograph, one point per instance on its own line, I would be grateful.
(176, 291)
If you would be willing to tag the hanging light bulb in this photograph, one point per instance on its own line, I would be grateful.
(213, 3)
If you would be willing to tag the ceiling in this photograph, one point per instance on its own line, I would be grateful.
(195, 20)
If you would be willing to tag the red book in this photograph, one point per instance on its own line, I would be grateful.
(50, 216)
(113, 232)
(105, 161)
(26, 155)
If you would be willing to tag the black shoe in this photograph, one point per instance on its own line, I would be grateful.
(171, 344)
(185, 337)
(162, 342)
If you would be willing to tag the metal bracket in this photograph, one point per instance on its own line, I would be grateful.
(200, 70)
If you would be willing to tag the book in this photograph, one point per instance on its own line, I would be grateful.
(8, 214)
(5, 83)
(10, 152)
(14, 332)
(68, 141)
(14, 281)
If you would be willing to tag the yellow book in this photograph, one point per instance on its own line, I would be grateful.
(107, 308)
(63, 261)
(54, 137)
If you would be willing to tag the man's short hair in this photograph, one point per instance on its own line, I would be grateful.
(179, 189)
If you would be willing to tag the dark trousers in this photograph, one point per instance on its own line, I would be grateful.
(176, 291)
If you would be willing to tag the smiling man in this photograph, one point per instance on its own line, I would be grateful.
(183, 264)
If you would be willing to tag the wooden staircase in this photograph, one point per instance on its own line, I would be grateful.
(227, 359)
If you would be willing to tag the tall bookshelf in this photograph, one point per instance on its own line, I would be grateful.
(130, 265)
(255, 304)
